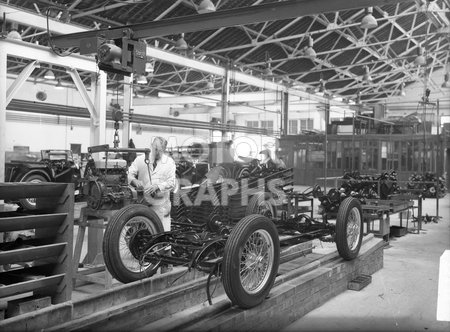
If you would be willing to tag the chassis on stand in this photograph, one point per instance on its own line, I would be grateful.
(231, 228)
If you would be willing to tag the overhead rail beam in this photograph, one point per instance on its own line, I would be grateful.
(21, 49)
(223, 18)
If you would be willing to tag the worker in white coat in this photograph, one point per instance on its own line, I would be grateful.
(156, 177)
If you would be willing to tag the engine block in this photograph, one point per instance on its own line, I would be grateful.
(105, 182)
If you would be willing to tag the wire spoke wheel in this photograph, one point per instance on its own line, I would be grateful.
(353, 228)
(132, 240)
(349, 230)
(124, 242)
(251, 259)
(256, 259)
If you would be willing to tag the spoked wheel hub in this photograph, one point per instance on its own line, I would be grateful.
(137, 241)
(256, 259)
(353, 228)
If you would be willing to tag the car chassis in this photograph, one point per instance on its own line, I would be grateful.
(238, 243)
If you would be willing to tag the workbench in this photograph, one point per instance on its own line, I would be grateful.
(381, 210)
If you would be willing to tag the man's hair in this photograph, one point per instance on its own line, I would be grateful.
(163, 142)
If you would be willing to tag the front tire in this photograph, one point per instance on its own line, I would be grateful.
(123, 246)
(349, 228)
(250, 261)
(30, 203)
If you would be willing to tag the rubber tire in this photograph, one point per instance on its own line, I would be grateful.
(231, 261)
(33, 177)
(345, 208)
(256, 200)
(111, 250)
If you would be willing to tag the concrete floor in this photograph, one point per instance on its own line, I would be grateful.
(403, 294)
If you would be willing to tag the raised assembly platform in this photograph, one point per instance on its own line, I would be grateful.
(178, 300)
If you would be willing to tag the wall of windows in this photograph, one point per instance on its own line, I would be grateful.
(369, 154)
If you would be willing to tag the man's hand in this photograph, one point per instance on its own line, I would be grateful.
(152, 189)
(137, 184)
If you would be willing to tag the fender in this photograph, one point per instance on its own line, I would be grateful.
(39, 171)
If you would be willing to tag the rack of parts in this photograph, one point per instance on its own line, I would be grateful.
(38, 265)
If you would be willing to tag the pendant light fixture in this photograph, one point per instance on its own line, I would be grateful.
(13, 33)
(206, 6)
(402, 90)
(58, 85)
(141, 79)
(268, 69)
(49, 75)
(181, 44)
(369, 21)
(366, 77)
(446, 83)
(309, 50)
(420, 58)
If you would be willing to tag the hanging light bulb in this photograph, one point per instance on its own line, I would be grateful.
(206, 6)
(368, 21)
(181, 44)
(309, 50)
(420, 59)
(366, 76)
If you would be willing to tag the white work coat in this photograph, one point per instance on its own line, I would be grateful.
(163, 175)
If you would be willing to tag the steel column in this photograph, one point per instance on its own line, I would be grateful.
(127, 107)
(225, 96)
(98, 129)
(3, 103)
(285, 113)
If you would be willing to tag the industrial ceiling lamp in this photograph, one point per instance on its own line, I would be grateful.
(420, 58)
(366, 76)
(149, 67)
(13, 33)
(58, 85)
(141, 79)
(181, 44)
(268, 69)
(309, 50)
(321, 90)
(358, 98)
(206, 6)
(210, 84)
(49, 75)
(446, 83)
(368, 21)
(402, 90)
